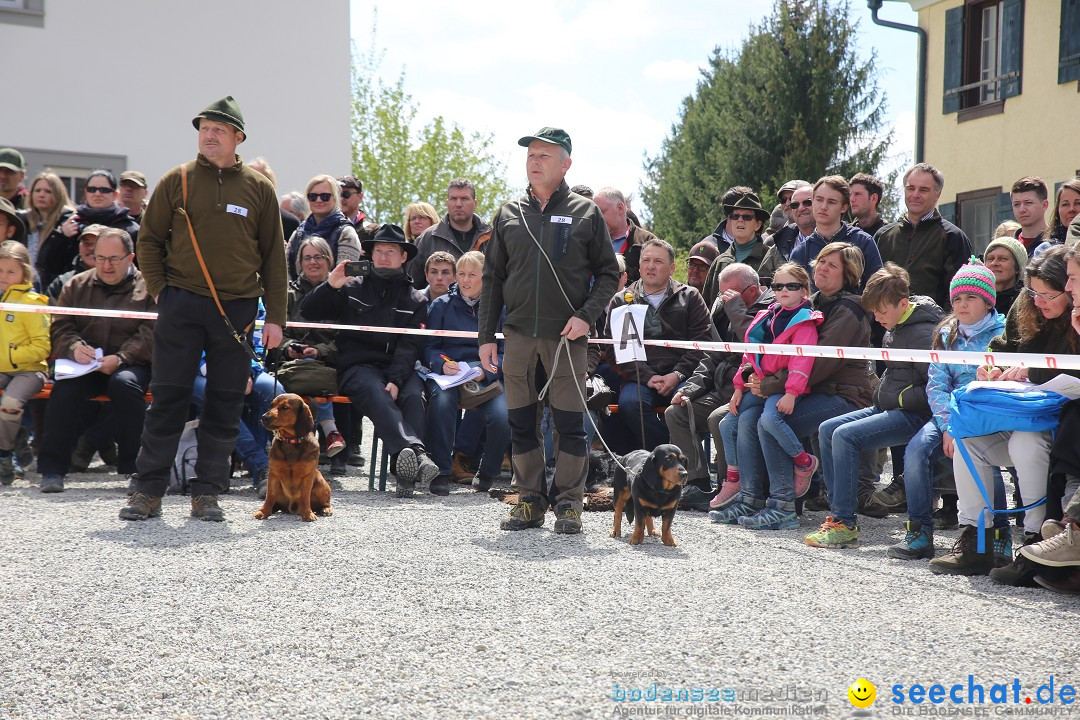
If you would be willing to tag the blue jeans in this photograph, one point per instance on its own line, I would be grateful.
(844, 438)
(470, 434)
(921, 457)
(810, 411)
(442, 416)
(636, 403)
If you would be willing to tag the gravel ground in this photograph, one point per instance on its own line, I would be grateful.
(423, 608)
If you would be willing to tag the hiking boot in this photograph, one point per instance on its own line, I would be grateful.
(728, 492)
(440, 486)
(81, 456)
(132, 483)
(965, 558)
(946, 517)
(482, 483)
(869, 507)
(893, 497)
(140, 507)
(1061, 550)
(355, 458)
(52, 483)
(262, 482)
(1003, 546)
(462, 469)
(693, 498)
(803, 475)
(335, 443)
(731, 514)
(205, 507)
(507, 465)
(404, 469)
(918, 543)
(108, 454)
(771, 517)
(7, 469)
(427, 470)
(567, 520)
(1021, 571)
(833, 534)
(339, 466)
(24, 454)
(819, 502)
(525, 514)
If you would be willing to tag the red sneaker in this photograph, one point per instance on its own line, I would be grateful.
(335, 443)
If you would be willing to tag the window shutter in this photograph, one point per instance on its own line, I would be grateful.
(1004, 208)
(1069, 46)
(1012, 45)
(954, 58)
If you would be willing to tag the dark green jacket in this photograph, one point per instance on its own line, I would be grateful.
(931, 252)
(575, 238)
(237, 223)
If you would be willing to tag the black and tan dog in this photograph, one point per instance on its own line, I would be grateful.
(650, 486)
(294, 484)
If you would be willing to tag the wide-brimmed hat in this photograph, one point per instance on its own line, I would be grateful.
(13, 217)
(555, 136)
(225, 110)
(392, 234)
(748, 201)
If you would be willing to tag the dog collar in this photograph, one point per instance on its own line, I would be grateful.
(293, 441)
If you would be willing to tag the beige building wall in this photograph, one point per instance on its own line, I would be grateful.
(120, 80)
(1033, 136)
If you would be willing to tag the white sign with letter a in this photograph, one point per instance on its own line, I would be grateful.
(628, 330)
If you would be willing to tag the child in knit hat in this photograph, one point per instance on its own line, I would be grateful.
(970, 326)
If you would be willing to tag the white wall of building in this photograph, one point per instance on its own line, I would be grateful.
(123, 78)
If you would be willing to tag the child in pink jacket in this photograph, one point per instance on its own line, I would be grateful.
(791, 320)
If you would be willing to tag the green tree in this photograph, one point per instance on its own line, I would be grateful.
(398, 165)
(793, 102)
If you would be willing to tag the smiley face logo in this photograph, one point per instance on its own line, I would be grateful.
(862, 693)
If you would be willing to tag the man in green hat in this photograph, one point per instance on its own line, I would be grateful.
(209, 247)
(550, 262)
(12, 175)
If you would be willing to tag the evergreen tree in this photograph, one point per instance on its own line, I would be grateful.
(793, 102)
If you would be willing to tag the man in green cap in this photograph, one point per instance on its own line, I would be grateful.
(12, 175)
(236, 256)
(550, 262)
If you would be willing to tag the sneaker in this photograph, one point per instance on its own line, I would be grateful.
(726, 496)
(262, 482)
(770, 517)
(1061, 550)
(427, 469)
(335, 443)
(482, 483)
(440, 486)
(205, 507)
(964, 558)
(525, 514)
(7, 469)
(1050, 528)
(731, 514)
(946, 519)
(339, 466)
(567, 520)
(819, 502)
(405, 467)
(462, 469)
(52, 483)
(1003, 546)
(355, 458)
(1021, 571)
(24, 454)
(140, 507)
(833, 534)
(893, 497)
(803, 475)
(918, 543)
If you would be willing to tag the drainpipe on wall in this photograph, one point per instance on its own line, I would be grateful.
(920, 99)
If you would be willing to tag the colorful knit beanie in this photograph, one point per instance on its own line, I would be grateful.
(974, 279)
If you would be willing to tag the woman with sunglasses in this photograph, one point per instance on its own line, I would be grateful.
(56, 253)
(745, 219)
(1040, 321)
(326, 221)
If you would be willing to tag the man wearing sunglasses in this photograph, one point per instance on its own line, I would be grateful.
(221, 235)
(352, 194)
(787, 237)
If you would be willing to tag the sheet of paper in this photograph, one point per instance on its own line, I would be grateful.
(1063, 384)
(465, 374)
(628, 331)
(65, 368)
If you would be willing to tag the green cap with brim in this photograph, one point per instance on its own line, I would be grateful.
(225, 111)
(555, 136)
(12, 159)
(6, 208)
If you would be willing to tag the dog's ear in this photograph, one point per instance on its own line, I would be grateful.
(304, 422)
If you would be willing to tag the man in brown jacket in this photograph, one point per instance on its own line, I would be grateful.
(126, 348)
(233, 213)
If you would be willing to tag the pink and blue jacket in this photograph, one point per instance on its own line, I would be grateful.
(801, 330)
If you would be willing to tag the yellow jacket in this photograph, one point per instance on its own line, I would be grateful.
(25, 335)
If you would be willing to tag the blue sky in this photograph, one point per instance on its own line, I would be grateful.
(613, 73)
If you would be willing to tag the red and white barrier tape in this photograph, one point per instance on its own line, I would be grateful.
(1037, 360)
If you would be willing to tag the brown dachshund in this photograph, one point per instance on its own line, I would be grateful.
(295, 484)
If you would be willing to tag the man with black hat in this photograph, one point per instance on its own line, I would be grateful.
(352, 194)
(377, 370)
(550, 262)
(12, 175)
(133, 193)
(210, 245)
